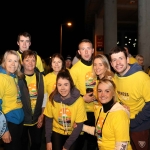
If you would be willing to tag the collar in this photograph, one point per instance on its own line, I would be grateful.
(108, 105)
(20, 51)
(87, 63)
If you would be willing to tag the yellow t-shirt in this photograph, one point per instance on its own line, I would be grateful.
(132, 60)
(39, 63)
(31, 84)
(133, 91)
(9, 93)
(114, 127)
(83, 78)
(50, 81)
(64, 116)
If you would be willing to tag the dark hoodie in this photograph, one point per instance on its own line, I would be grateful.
(69, 101)
(74, 95)
(142, 119)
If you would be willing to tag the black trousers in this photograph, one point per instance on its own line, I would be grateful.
(58, 141)
(91, 140)
(15, 132)
(33, 135)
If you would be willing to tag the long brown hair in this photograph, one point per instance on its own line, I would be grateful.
(64, 74)
(60, 57)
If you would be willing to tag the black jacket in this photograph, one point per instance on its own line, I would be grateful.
(25, 97)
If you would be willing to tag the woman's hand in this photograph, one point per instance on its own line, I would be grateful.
(87, 98)
(74, 125)
(49, 146)
(40, 121)
(6, 137)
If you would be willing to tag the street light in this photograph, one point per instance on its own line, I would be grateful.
(68, 24)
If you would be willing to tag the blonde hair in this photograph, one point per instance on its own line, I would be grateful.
(13, 52)
(111, 85)
(108, 74)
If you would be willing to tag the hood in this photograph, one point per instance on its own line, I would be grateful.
(74, 95)
(117, 107)
(3, 71)
(133, 69)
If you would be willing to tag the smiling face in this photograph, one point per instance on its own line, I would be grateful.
(120, 63)
(63, 86)
(105, 92)
(86, 50)
(99, 68)
(11, 63)
(29, 64)
(56, 64)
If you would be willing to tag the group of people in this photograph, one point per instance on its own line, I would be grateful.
(85, 103)
(23, 96)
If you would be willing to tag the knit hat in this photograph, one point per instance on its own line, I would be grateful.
(68, 57)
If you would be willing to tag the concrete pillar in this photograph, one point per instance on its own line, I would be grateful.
(110, 25)
(144, 30)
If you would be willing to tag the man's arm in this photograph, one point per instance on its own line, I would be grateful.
(141, 116)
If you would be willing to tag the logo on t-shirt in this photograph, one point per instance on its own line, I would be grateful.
(33, 95)
(90, 80)
(65, 118)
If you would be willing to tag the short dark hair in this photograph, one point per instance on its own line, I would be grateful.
(117, 49)
(27, 53)
(25, 34)
(86, 41)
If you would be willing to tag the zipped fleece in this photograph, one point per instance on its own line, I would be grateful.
(25, 97)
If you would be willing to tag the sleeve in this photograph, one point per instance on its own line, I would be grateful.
(0, 104)
(74, 135)
(48, 129)
(144, 114)
(39, 64)
(74, 75)
(48, 110)
(2, 91)
(88, 129)
(45, 100)
(120, 124)
(81, 112)
(45, 94)
(141, 116)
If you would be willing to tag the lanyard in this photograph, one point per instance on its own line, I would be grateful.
(103, 121)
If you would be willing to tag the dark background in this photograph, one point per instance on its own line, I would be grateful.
(42, 20)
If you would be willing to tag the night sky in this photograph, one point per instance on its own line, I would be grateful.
(42, 20)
